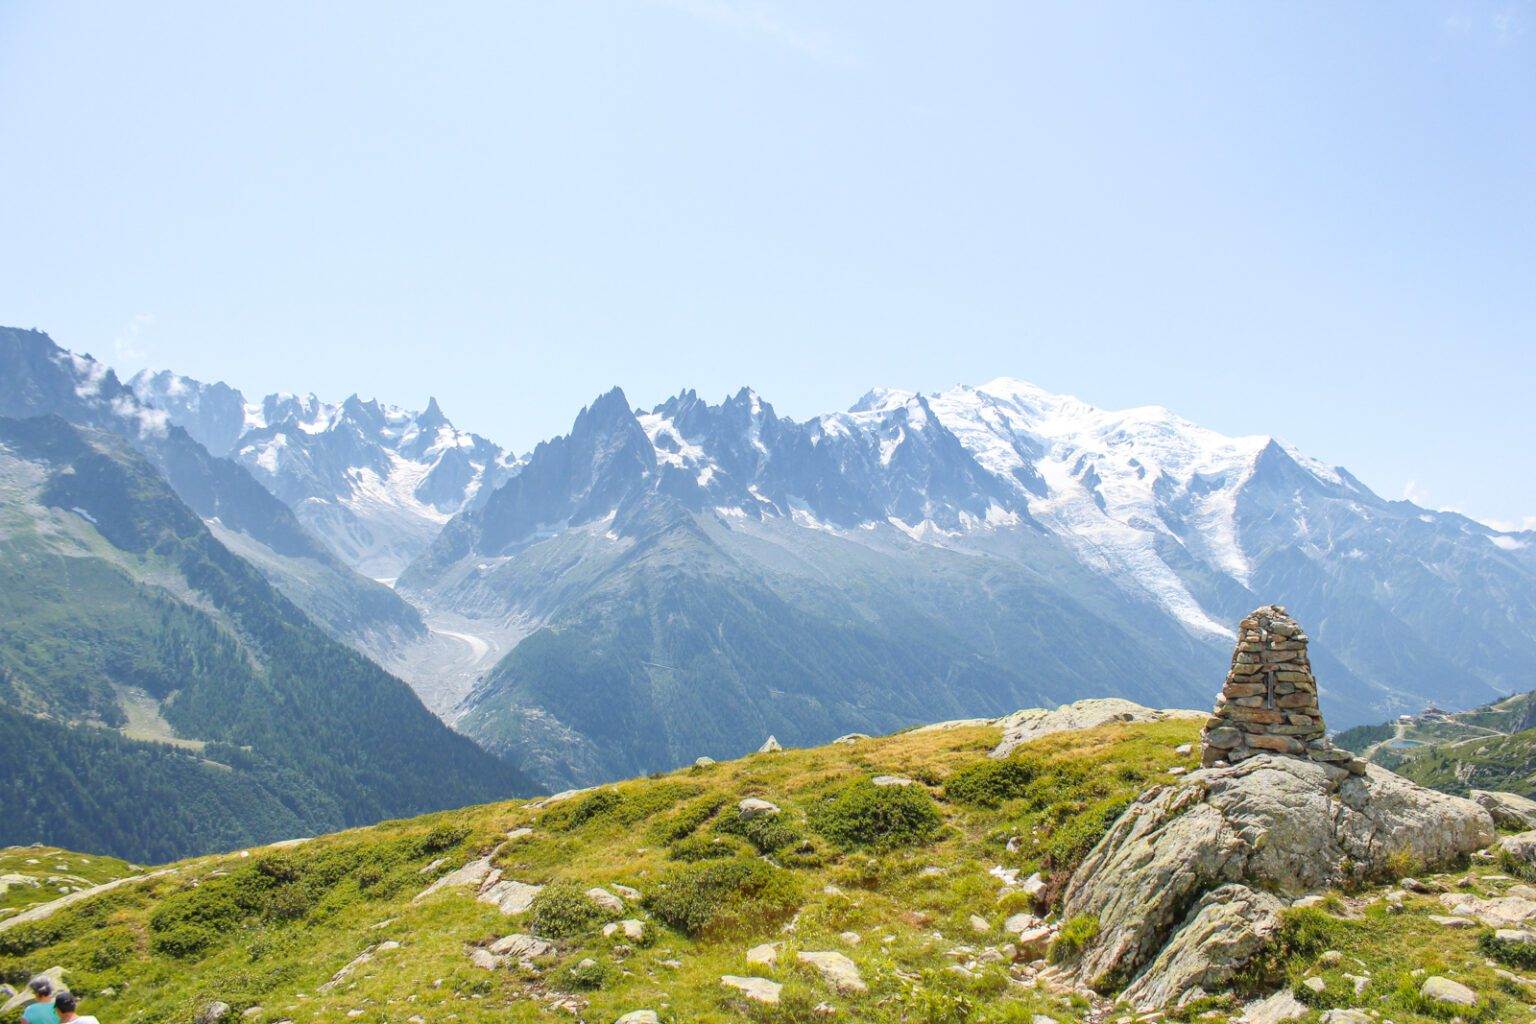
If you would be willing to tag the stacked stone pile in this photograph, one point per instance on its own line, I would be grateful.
(1269, 702)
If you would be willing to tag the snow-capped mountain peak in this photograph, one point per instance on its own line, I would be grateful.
(375, 481)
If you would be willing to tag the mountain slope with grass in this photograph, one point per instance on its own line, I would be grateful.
(905, 878)
(161, 698)
(38, 378)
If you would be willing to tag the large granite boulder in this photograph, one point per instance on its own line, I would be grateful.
(1509, 810)
(1273, 824)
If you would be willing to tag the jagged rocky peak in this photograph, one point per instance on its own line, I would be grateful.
(1269, 701)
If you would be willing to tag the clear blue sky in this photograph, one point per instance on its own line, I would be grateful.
(1314, 220)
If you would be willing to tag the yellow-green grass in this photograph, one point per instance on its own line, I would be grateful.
(268, 928)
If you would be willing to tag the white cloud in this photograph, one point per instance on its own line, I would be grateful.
(1510, 525)
(128, 345)
(765, 20)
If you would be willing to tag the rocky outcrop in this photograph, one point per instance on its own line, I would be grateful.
(1277, 824)
(1032, 723)
(1226, 928)
(1509, 810)
(1268, 704)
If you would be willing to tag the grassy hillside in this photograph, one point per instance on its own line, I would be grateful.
(1490, 747)
(123, 620)
(31, 875)
(899, 879)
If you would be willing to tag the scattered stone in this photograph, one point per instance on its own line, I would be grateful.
(891, 780)
(1521, 848)
(1331, 958)
(835, 969)
(519, 946)
(766, 954)
(753, 807)
(703, 762)
(213, 1013)
(1453, 922)
(1033, 885)
(759, 990)
(632, 929)
(484, 959)
(1495, 912)
(1274, 1009)
(605, 899)
(1314, 984)
(630, 894)
(1020, 922)
(979, 924)
(770, 746)
(1184, 748)
(1343, 1016)
(522, 832)
(1032, 943)
(362, 958)
(509, 896)
(852, 737)
(639, 1017)
(1444, 990)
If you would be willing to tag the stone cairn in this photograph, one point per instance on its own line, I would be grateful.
(1269, 702)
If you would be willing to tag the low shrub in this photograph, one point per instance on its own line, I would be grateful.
(990, 782)
(585, 975)
(879, 817)
(1073, 938)
(767, 834)
(563, 910)
(718, 896)
(706, 847)
(1511, 954)
(685, 821)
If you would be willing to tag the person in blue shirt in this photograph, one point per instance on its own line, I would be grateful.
(40, 1010)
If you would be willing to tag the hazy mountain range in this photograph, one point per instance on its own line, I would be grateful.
(656, 585)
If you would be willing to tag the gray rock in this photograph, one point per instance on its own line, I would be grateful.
(1275, 1009)
(703, 762)
(1444, 990)
(759, 990)
(605, 899)
(1280, 824)
(1509, 810)
(1223, 932)
(770, 746)
(521, 947)
(766, 954)
(213, 1013)
(638, 1017)
(852, 737)
(632, 929)
(752, 807)
(1495, 911)
(1521, 848)
(891, 780)
(836, 970)
(1032, 723)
